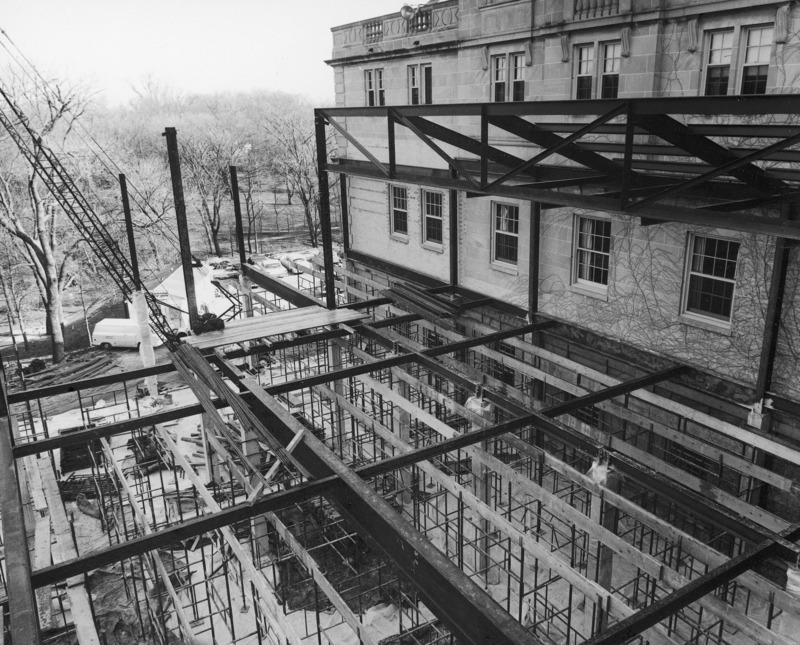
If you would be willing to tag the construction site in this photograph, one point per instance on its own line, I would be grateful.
(376, 451)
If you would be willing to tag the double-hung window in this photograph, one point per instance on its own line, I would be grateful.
(499, 82)
(433, 217)
(711, 277)
(609, 77)
(718, 62)
(505, 231)
(508, 77)
(373, 83)
(757, 49)
(584, 71)
(592, 252)
(399, 210)
(517, 77)
(420, 84)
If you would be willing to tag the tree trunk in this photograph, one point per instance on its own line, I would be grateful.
(312, 231)
(53, 311)
(215, 240)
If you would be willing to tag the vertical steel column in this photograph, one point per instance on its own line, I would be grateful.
(772, 323)
(533, 259)
(126, 208)
(391, 142)
(484, 147)
(325, 209)
(630, 131)
(344, 211)
(453, 232)
(183, 229)
(24, 626)
(237, 213)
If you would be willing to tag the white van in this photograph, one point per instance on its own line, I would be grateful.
(118, 332)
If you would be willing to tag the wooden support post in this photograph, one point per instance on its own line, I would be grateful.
(402, 422)
(141, 314)
(607, 516)
(340, 445)
(480, 478)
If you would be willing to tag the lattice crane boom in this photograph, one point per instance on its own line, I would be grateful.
(79, 210)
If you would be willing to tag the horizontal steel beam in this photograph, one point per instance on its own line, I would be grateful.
(664, 607)
(615, 390)
(662, 213)
(279, 287)
(788, 104)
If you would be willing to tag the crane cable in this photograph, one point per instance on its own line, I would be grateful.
(167, 231)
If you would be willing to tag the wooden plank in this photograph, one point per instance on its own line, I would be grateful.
(709, 450)
(35, 485)
(274, 324)
(567, 513)
(764, 518)
(64, 548)
(743, 435)
(43, 558)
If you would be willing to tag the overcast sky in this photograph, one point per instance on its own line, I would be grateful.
(192, 45)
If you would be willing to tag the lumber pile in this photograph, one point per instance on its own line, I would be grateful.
(74, 368)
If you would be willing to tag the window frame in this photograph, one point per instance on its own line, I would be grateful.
(495, 67)
(707, 55)
(514, 82)
(590, 48)
(708, 317)
(420, 78)
(394, 209)
(577, 252)
(515, 235)
(603, 74)
(745, 46)
(374, 90)
(513, 78)
(424, 194)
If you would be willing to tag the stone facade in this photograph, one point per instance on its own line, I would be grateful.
(663, 48)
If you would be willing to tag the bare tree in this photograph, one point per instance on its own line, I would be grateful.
(290, 135)
(206, 157)
(28, 213)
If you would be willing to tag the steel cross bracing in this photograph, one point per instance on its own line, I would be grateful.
(702, 160)
(78, 209)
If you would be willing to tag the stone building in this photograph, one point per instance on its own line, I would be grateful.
(689, 290)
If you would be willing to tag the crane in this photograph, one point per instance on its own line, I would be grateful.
(79, 211)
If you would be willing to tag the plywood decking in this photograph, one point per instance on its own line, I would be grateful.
(274, 324)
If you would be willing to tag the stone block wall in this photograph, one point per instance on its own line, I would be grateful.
(371, 233)
(642, 305)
